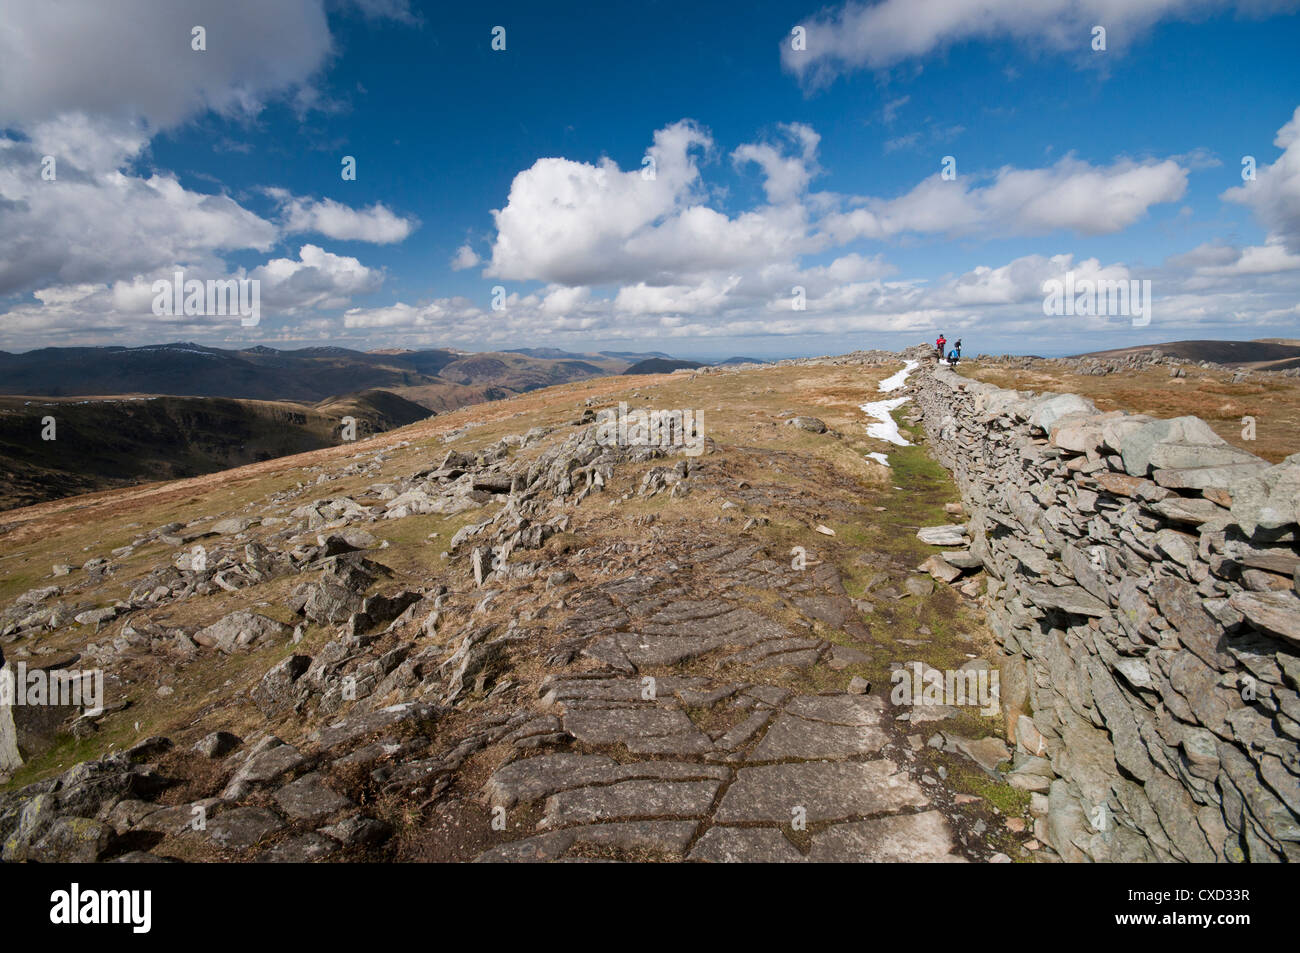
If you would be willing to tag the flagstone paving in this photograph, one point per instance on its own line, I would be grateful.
(717, 760)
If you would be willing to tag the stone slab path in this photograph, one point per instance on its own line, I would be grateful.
(689, 744)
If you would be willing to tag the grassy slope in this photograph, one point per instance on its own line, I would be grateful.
(1274, 402)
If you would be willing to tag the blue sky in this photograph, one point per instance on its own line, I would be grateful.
(775, 169)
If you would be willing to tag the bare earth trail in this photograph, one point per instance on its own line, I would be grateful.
(623, 653)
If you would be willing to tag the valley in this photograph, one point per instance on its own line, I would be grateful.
(180, 410)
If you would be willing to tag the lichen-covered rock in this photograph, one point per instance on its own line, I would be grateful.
(274, 695)
(1277, 611)
(74, 840)
(1052, 409)
(810, 424)
(1269, 500)
(238, 630)
(1137, 446)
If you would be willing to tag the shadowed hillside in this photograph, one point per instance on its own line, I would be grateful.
(109, 442)
(658, 365)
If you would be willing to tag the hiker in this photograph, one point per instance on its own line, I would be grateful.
(939, 343)
(953, 357)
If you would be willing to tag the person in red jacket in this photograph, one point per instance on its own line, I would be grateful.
(938, 345)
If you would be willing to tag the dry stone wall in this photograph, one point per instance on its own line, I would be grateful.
(1143, 580)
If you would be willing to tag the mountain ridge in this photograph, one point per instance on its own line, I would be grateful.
(1265, 353)
(185, 369)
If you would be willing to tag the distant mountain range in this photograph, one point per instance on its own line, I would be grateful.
(308, 374)
(632, 356)
(174, 410)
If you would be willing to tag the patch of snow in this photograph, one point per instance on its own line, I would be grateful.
(177, 348)
(886, 428)
(879, 458)
(897, 380)
(79, 403)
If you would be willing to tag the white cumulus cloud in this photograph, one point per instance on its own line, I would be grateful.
(1274, 196)
(375, 223)
(1072, 194)
(883, 34)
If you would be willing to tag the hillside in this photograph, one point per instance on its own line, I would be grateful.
(106, 442)
(379, 680)
(1274, 353)
(518, 372)
(504, 635)
(658, 365)
(555, 353)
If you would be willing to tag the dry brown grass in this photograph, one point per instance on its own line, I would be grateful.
(1274, 402)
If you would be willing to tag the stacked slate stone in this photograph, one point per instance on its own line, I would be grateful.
(1143, 587)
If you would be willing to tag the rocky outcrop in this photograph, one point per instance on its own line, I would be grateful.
(1100, 365)
(10, 758)
(1143, 590)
